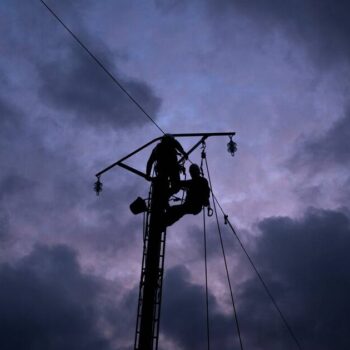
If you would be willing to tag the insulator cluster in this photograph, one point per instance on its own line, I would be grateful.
(98, 186)
(231, 147)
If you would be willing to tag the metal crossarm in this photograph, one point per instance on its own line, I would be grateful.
(120, 162)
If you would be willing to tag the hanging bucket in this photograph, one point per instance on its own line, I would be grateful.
(138, 206)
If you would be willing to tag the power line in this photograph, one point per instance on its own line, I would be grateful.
(114, 79)
(206, 279)
(224, 255)
(284, 320)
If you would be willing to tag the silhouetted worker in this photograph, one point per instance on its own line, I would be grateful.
(164, 159)
(198, 193)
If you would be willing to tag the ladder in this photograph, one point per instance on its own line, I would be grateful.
(157, 297)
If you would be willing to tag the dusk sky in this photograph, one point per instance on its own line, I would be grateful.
(275, 72)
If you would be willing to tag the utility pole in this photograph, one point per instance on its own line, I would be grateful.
(150, 291)
(148, 315)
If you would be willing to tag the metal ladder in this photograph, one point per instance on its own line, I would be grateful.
(158, 297)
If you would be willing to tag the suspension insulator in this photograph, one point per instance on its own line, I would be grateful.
(231, 147)
(98, 186)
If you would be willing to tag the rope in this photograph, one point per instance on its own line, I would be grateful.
(203, 155)
(284, 320)
(144, 224)
(206, 279)
(224, 256)
(114, 79)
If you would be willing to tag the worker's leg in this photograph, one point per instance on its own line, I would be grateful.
(174, 214)
(195, 209)
(161, 186)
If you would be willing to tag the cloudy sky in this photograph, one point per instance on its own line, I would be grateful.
(275, 72)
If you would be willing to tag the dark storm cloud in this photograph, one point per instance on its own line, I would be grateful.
(322, 26)
(331, 148)
(68, 79)
(78, 85)
(306, 264)
(46, 302)
(184, 314)
(39, 185)
(72, 82)
(123, 318)
(48, 160)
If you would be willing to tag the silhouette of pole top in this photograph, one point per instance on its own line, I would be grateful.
(203, 136)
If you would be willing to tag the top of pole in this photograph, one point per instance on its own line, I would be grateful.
(203, 135)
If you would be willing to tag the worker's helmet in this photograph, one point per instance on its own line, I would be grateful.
(194, 170)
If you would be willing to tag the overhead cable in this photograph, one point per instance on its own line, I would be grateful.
(206, 279)
(98, 61)
(224, 256)
(284, 320)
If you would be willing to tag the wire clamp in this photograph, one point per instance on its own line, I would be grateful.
(226, 219)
